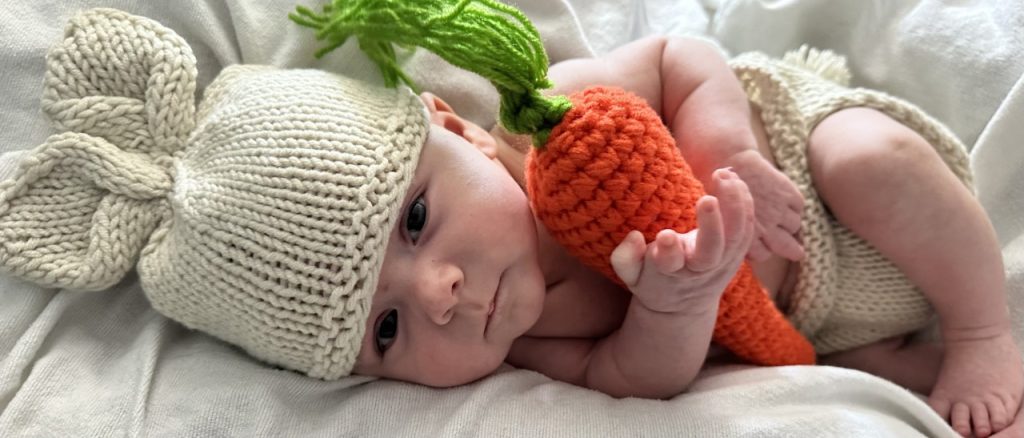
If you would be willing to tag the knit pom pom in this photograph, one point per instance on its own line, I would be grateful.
(825, 63)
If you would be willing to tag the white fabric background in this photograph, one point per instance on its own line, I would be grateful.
(105, 364)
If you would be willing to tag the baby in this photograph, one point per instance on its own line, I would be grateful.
(471, 279)
(331, 227)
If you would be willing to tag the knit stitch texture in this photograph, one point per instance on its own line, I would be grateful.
(847, 293)
(610, 167)
(261, 218)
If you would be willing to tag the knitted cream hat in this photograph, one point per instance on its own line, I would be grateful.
(262, 219)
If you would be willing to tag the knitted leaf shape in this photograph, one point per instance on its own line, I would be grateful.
(610, 167)
(80, 208)
(604, 166)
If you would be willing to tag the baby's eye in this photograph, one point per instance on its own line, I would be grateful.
(387, 330)
(416, 219)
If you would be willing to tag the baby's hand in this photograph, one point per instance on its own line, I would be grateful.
(778, 206)
(688, 272)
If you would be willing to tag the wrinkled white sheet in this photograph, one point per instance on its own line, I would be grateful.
(105, 364)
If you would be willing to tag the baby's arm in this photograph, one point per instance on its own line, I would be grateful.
(676, 282)
(689, 83)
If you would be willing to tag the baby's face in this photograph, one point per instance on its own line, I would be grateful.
(460, 280)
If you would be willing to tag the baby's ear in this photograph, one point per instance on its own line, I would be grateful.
(442, 114)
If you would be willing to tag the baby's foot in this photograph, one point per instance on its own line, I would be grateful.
(980, 384)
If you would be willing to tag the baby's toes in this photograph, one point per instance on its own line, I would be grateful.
(960, 418)
(1011, 404)
(980, 420)
(997, 415)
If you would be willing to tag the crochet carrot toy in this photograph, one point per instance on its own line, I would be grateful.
(603, 165)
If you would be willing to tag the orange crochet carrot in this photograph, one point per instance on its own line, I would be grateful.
(610, 167)
(606, 164)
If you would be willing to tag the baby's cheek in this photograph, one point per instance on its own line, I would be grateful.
(464, 367)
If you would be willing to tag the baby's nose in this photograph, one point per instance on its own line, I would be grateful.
(438, 292)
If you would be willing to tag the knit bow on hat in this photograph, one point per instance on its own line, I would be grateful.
(81, 207)
(260, 218)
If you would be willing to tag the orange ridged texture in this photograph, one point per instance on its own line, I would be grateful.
(610, 167)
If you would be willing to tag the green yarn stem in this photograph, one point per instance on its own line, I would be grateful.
(491, 39)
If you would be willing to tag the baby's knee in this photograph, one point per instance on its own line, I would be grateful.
(862, 147)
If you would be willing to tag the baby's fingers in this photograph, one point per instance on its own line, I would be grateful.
(795, 200)
(784, 244)
(758, 250)
(790, 221)
(627, 258)
(667, 252)
(710, 245)
(737, 210)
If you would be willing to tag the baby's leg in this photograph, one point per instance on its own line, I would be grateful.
(914, 366)
(889, 186)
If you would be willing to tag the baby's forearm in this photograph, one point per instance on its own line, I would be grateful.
(653, 354)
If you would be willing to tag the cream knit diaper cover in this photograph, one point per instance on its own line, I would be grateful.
(847, 294)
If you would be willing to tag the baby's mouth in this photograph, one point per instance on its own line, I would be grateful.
(495, 305)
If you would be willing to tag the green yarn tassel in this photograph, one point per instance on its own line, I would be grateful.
(488, 38)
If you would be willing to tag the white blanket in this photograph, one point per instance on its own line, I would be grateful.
(105, 364)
